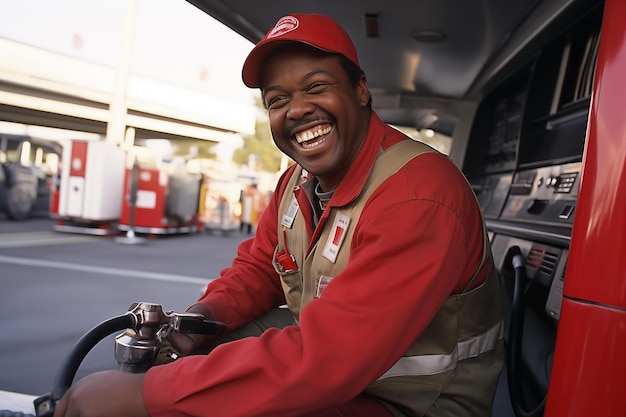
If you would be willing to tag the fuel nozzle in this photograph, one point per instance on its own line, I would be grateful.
(137, 349)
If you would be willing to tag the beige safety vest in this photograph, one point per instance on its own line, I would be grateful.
(453, 367)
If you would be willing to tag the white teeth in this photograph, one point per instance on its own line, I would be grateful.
(312, 134)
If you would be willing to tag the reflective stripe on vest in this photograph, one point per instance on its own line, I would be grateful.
(435, 364)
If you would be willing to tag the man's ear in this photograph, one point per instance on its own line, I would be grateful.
(363, 91)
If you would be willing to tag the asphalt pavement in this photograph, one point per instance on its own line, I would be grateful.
(55, 286)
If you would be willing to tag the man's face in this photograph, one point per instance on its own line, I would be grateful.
(316, 116)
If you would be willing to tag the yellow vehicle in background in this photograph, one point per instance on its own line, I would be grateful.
(222, 208)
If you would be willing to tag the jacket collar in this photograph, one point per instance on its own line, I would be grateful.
(354, 180)
(351, 185)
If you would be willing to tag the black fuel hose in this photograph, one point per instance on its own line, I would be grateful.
(516, 334)
(44, 405)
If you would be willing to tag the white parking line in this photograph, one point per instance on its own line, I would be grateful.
(17, 402)
(17, 240)
(155, 276)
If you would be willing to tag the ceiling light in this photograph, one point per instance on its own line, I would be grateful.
(430, 36)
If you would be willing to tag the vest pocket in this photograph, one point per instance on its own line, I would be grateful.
(291, 281)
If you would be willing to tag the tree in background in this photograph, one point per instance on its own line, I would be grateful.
(198, 148)
(267, 156)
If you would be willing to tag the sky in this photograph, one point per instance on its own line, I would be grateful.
(173, 41)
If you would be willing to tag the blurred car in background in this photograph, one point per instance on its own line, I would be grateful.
(29, 167)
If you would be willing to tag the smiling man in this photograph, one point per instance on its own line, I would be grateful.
(318, 116)
(373, 242)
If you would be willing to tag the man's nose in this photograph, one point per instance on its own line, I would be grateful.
(299, 107)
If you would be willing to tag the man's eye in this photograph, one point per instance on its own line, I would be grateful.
(275, 102)
(317, 88)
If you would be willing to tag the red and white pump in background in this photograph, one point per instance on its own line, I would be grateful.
(103, 188)
(90, 184)
(160, 198)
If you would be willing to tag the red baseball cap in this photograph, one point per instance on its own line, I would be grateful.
(316, 30)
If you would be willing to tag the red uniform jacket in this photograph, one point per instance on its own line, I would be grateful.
(418, 240)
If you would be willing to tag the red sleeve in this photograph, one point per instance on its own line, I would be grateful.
(410, 251)
(250, 287)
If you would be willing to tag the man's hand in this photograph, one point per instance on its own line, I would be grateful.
(104, 394)
(195, 344)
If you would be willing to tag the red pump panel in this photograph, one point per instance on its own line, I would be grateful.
(596, 267)
(588, 371)
(78, 160)
(150, 204)
(587, 376)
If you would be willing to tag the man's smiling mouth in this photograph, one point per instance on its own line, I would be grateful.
(313, 137)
